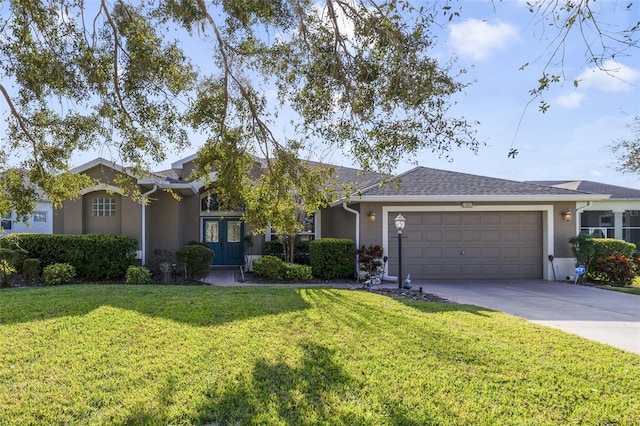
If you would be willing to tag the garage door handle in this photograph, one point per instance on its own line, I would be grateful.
(462, 252)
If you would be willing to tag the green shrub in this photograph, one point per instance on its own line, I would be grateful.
(332, 257)
(6, 266)
(296, 272)
(196, 259)
(138, 275)
(274, 248)
(93, 256)
(31, 270)
(58, 273)
(588, 251)
(617, 270)
(269, 267)
(273, 268)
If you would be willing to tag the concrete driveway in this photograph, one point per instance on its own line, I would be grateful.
(604, 316)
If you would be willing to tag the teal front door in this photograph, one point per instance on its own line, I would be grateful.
(225, 238)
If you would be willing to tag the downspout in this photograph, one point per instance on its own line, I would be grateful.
(143, 242)
(578, 221)
(357, 213)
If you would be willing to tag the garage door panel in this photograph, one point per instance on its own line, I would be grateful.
(490, 269)
(491, 219)
(433, 235)
(452, 219)
(471, 219)
(489, 252)
(452, 235)
(414, 252)
(471, 252)
(472, 235)
(451, 252)
(433, 252)
(495, 245)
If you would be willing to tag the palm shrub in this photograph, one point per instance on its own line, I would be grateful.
(58, 273)
(196, 259)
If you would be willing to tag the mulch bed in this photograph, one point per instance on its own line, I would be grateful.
(409, 294)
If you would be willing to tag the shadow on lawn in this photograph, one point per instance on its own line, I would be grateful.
(316, 391)
(187, 305)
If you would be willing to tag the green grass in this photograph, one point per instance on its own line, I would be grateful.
(633, 288)
(282, 356)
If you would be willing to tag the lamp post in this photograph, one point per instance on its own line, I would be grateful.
(400, 221)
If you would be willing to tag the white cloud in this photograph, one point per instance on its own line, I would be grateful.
(570, 100)
(478, 39)
(611, 77)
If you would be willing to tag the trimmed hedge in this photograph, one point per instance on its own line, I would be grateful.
(93, 256)
(332, 257)
(273, 268)
(196, 258)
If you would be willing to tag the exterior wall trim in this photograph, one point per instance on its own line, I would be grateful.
(547, 225)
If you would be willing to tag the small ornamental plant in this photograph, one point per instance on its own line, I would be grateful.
(617, 270)
(58, 273)
(138, 275)
(370, 259)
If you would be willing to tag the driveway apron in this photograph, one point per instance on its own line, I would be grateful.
(605, 316)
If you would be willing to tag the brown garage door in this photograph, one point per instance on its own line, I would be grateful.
(453, 245)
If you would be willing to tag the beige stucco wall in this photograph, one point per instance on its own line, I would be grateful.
(338, 223)
(163, 227)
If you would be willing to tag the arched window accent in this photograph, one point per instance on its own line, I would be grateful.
(209, 203)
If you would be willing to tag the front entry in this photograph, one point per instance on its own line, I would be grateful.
(224, 237)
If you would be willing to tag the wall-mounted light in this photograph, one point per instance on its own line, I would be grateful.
(372, 216)
(566, 215)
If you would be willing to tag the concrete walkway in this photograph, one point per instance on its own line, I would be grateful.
(602, 315)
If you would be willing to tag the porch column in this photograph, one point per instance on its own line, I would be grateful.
(617, 225)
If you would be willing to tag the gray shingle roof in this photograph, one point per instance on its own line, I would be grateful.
(616, 192)
(424, 181)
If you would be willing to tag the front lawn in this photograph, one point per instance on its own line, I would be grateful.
(117, 354)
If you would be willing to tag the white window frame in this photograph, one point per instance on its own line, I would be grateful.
(103, 207)
(40, 216)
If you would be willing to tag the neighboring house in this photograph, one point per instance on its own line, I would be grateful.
(616, 217)
(40, 222)
(459, 226)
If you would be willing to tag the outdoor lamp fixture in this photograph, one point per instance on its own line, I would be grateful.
(566, 215)
(372, 216)
(400, 221)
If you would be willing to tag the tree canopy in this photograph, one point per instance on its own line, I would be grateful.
(135, 79)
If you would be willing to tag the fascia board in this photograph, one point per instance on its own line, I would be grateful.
(485, 198)
(180, 163)
(476, 198)
(98, 162)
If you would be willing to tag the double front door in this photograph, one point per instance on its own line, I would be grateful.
(225, 237)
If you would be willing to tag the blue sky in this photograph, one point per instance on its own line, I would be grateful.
(569, 141)
(492, 40)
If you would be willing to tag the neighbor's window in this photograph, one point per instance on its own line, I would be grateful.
(39, 216)
(7, 222)
(103, 207)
